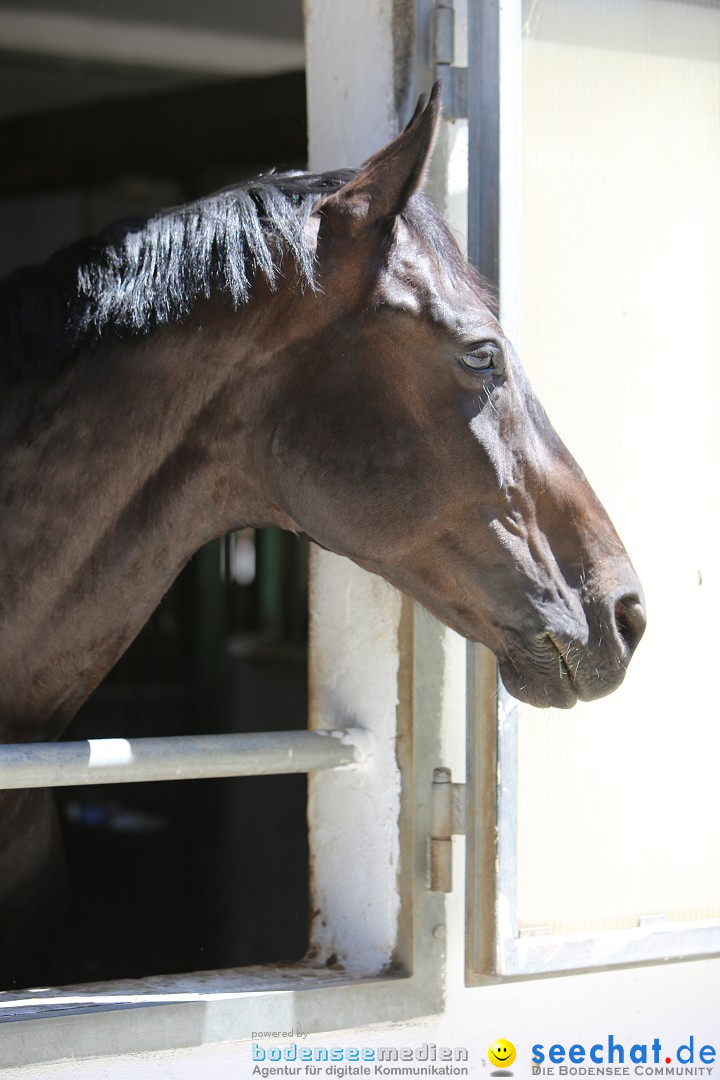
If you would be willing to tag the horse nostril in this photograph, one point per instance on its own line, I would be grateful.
(630, 620)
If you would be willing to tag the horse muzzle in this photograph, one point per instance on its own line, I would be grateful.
(562, 667)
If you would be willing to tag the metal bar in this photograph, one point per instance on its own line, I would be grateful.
(494, 198)
(184, 757)
(484, 139)
(494, 138)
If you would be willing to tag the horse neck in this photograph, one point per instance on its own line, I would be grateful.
(113, 477)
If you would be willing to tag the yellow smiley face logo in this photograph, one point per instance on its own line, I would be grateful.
(501, 1053)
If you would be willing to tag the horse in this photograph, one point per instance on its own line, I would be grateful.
(310, 352)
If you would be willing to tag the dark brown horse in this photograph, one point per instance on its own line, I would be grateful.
(309, 352)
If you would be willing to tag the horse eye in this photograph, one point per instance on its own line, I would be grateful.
(485, 357)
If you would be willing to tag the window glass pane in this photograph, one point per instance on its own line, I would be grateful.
(619, 799)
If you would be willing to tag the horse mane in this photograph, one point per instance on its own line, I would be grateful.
(147, 272)
(139, 274)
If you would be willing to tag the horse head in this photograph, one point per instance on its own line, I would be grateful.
(425, 455)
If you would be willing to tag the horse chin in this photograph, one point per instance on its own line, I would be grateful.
(538, 689)
(543, 678)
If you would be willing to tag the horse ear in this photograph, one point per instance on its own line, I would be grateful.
(391, 177)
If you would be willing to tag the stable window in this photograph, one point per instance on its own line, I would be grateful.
(376, 953)
(395, 679)
(87, 143)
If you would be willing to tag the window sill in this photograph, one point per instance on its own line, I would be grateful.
(180, 1011)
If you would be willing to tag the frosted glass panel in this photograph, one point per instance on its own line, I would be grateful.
(619, 800)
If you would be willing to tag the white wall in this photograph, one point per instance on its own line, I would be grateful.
(355, 617)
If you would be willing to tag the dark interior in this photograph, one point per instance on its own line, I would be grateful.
(196, 874)
(173, 876)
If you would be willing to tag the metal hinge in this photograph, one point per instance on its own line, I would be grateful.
(454, 79)
(447, 820)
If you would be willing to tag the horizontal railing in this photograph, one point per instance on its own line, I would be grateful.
(182, 757)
